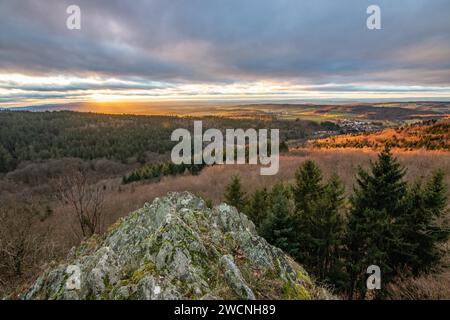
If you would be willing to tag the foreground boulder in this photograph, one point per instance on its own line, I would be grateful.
(178, 248)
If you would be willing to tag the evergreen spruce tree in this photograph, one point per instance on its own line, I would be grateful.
(234, 195)
(330, 236)
(307, 188)
(257, 207)
(376, 226)
(284, 148)
(320, 224)
(426, 227)
(278, 228)
(6, 161)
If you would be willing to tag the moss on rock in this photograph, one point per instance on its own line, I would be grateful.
(177, 247)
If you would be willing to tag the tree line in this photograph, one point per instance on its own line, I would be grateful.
(155, 171)
(158, 170)
(399, 226)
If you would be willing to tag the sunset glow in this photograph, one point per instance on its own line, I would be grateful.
(242, 57)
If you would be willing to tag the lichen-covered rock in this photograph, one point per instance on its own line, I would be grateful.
(177, 248)
(234, 278)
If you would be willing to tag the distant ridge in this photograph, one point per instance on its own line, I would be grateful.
(45, 107)
(389, 111)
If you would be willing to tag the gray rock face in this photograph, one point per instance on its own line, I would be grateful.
(177, 248)
(234, 278)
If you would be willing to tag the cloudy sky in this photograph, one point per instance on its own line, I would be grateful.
(160, 50)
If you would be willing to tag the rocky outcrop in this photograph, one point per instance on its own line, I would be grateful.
(177, 248)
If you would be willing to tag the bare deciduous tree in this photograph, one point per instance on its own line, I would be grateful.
(85, 199)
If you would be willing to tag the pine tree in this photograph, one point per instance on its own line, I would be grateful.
(6, 161)
(330, 237)
(234, 195)
(376, 227)
(426, 227)
(320, 223)
(307, 188)
(278, 228)
(284, 148)
(257, 207)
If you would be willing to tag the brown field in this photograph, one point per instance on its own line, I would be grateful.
(211, 182)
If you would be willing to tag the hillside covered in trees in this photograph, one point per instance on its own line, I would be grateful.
(31, 136)
(398, 226)
(428, 135)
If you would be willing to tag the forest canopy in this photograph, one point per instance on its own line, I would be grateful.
(30, 136)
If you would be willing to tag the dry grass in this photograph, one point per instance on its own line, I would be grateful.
(120, 199)
(211, 182)
(426, 287)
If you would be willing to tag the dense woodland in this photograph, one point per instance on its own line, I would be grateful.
(401, 227)
(31, 136)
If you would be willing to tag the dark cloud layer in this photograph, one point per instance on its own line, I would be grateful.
(228, 41)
